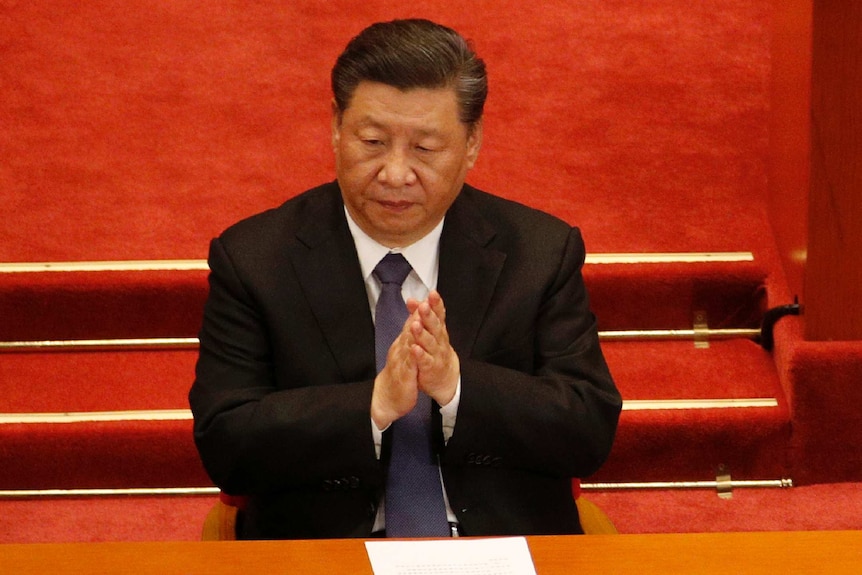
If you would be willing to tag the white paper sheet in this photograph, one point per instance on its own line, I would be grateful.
(494, 556)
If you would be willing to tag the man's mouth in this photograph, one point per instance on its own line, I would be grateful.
(395, 206)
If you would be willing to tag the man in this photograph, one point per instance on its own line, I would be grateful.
(290, 408)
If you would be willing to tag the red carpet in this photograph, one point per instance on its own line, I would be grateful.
(134, 132)
(651, 445)
(832, 507)
(139, 133)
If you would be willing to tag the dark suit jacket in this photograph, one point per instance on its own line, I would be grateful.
(283, 384)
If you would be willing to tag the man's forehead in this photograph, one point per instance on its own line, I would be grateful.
(426, 111)
(367, 91)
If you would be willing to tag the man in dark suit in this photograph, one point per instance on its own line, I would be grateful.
(289, 407)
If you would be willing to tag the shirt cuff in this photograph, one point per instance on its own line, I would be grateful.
(450, 412)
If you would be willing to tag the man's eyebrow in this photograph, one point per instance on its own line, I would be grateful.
(370, 122)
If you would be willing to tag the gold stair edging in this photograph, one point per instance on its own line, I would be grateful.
(105, 266)
(783, 483)
(97, 416)
(201, 265)
(186, 414)
(193, 342)
(101, 344)
(678, 334)
(673, 404)
(108, 492)
(669, 257)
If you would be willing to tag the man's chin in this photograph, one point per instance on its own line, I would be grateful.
(397, 234)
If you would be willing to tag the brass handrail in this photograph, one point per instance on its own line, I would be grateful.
(783, 483)
(180, 343)
(198, 264)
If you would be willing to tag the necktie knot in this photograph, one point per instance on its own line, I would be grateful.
(392, 269)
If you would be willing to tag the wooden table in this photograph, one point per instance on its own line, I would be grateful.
(833, 552)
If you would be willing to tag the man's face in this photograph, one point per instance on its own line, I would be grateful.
(401, 158)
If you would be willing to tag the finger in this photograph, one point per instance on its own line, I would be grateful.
(395, 387)
(399, 351)
(432, 322)
(426, 364)
(424, 339)
(412, 304)
(435, 300)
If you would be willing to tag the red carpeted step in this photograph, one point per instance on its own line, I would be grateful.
(101, 304)
(655, 444)
(667, 295)
(104, 518)
(661, 443)
(169, 303)
(134, 449)
(691, 444)
(96, 380)
(678, 440)
(729, 369)
(123, 518)
(112, 454)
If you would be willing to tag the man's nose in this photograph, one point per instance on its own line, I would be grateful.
(396, 170)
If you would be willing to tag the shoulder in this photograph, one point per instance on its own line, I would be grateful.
(292, 212)
(319, 207)
(511, 223)
(261, 243)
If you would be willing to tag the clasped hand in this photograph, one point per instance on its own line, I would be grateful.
(420, 359)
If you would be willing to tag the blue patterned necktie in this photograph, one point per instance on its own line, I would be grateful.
(414, 494)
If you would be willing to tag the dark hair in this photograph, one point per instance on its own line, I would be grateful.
(413, 54)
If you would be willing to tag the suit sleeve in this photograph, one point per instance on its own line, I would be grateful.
(265, 419)
(537, 394)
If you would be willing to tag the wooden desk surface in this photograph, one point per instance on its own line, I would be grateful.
(833, 552)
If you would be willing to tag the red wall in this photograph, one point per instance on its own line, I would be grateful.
(789, 135)
(815, 161)
(833, 281)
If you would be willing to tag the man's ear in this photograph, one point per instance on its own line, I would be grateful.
(335, 123)
(474, 143)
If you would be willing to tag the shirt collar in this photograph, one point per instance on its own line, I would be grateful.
(422, 255)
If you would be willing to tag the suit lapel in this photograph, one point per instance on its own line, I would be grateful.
(469, 269)
(328, 268)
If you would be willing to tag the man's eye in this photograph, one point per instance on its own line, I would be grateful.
(372, 142)
(424, 149)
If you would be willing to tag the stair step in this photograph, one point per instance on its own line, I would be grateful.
(101, 304)
(80, 454)
(669, 441)
(106, 518)
(668, 295)
(727, 369)
(96, 304)
(652, 445)
(689, 443)
(99, 455)
(95, 381)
